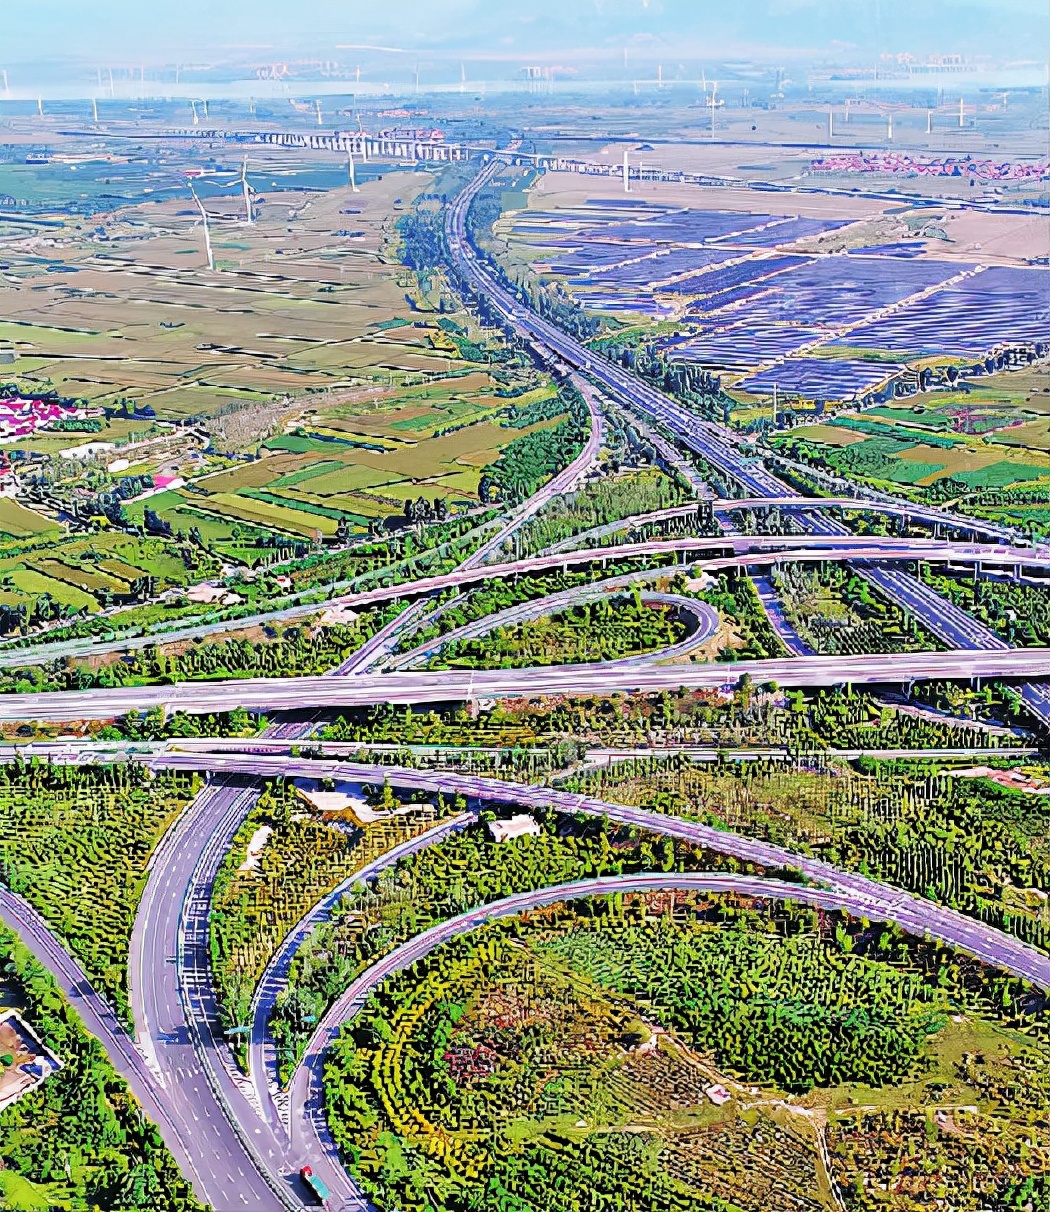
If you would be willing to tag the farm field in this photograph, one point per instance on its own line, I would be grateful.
(49, 576)
(989, 435)
(135, 312)
(362, 460)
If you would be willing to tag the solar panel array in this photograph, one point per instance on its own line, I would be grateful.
(745, 299)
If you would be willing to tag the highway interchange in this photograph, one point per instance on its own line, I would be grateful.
(239, 1139)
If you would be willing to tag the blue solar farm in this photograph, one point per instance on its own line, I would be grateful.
(746, 303)
(820, 378)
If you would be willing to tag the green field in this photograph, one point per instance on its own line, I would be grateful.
(19, 522)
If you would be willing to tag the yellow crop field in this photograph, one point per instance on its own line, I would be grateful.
(263, 513)
(19, 521)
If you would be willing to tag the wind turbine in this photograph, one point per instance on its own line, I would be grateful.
(317, 105)
(196, 120)
(714, 91)
(350, 169)
(247, 192)
(207, 232)
(94, 110)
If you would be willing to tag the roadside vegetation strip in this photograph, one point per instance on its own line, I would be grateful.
(295, 649)
(283, 859)
(76, 843)
(835, 611)
(605, 629)
(433, 885)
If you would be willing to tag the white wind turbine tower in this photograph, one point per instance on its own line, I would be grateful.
(94, 110)
(714, 92)
(207, 232)
(317, 106)
(350, 169)
(247, 192)
(196, 119)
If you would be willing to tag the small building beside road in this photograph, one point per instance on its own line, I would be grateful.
(515, 826)
(25, 1062)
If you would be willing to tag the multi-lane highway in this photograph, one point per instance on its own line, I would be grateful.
(236, 1132)
(804, 505)
(238, 1167)
(190, 1148)
(718, 552)
(226, 1130)
(270, 695)
(171, 985)
(716, 444)
(758, 550)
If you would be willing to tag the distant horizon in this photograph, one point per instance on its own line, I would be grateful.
(50, 34)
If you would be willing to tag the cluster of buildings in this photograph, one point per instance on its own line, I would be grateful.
(21, 417)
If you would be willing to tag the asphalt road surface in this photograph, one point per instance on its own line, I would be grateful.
(283, 694)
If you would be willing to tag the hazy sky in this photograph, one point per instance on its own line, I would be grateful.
(113, 31)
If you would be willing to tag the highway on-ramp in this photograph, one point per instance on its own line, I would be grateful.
(306, 1108)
